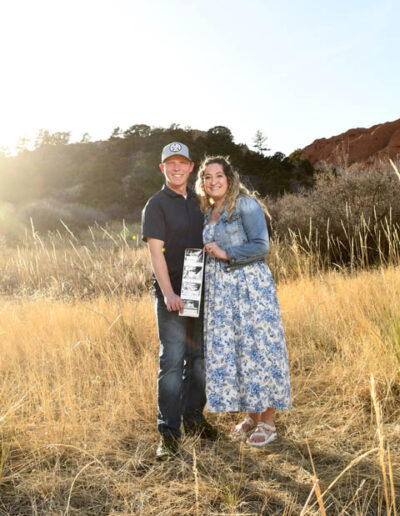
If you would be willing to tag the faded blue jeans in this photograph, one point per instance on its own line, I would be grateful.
(181, 376)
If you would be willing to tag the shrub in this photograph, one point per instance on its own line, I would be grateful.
(351, 214)
(47, 213)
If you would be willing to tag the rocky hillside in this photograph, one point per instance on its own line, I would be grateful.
(360, 145)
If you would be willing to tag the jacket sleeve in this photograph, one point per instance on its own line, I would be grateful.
(255, 227)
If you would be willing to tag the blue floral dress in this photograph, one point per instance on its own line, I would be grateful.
(246, 359)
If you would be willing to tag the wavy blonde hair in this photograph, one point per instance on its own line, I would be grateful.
(235, 186)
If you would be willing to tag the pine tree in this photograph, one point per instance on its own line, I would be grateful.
(260, 142)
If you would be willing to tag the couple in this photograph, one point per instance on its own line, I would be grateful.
(245, 352)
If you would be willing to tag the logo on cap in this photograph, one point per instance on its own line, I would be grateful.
(175, 147)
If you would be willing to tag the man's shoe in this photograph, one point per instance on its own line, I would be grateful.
(204, 429)
(167, 447)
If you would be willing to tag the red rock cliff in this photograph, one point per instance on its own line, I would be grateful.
(361, 145)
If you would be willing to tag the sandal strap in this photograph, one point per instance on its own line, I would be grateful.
(238, 432)
(248, 421)
(265, 426)
(261, 431)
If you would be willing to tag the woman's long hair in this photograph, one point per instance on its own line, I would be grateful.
(235, 186)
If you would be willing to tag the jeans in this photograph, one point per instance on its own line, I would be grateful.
(181, 375)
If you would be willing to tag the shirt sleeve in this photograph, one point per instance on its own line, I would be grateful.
(153, 221)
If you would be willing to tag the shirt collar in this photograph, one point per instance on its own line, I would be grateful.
(171, 193)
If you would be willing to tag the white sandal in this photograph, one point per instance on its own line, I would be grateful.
(238, 433)
(263, 430)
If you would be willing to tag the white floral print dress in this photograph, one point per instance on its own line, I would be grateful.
(246, 359)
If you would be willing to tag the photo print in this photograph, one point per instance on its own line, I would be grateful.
(191, 308)
(193, 273)
(194, 256)
(192, 282)
(189, 289)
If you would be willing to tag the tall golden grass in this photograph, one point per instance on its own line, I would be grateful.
(113, 261)
(78, 398)
(78, 407)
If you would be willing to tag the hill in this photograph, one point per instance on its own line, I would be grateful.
(360, 145)
(112, 179)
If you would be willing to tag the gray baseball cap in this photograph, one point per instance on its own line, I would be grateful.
(175, 149)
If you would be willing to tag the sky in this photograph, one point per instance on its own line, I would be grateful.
(297, 70)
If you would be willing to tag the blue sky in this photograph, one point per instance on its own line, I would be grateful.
(296, 70)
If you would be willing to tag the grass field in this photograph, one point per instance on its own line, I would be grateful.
(78, 406)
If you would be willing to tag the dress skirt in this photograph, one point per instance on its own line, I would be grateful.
(246, 358)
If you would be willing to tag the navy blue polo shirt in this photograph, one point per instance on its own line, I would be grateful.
(178, 222)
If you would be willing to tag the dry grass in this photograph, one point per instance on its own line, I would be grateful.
(77, 409)
(102, 261)
(113, 261)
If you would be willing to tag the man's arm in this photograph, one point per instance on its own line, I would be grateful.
(172, 300)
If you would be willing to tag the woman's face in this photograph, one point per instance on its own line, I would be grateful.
(215, 181)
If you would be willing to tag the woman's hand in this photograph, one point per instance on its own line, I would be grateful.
(214, 250)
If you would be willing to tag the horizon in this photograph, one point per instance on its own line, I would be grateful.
(13, 151)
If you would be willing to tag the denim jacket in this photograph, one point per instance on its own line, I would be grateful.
(244, 237)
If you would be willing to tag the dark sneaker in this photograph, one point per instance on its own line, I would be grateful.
(204, 429)
(167, 447)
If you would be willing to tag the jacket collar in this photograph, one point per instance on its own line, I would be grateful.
(223, 217)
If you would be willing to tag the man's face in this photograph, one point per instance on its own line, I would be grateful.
(176, 170)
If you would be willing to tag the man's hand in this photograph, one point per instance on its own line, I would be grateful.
(173, 302)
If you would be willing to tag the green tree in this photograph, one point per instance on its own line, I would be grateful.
(219, 140)
(60, 138)
(259, 142)
(279, 156)
(85, 138)
(116, 133)
(141, 130)
(222, 132)
(45, 137)
(297, 160)
(22, 144)
(41, 138)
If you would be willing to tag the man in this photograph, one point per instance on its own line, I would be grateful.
(172, 222)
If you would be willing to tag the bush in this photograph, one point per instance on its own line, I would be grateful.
(350, 214)
(48, 213)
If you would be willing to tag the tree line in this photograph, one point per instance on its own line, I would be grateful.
(116, 176)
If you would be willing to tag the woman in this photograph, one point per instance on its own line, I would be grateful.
(246, 359)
